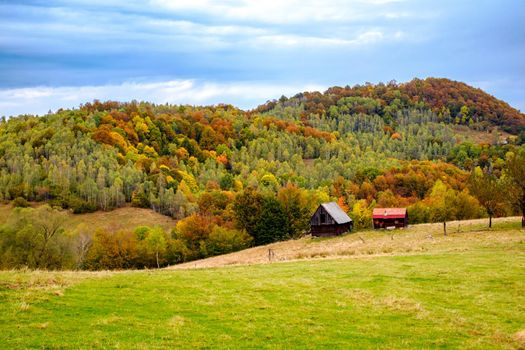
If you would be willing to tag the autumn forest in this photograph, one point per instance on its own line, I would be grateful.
(234, 179)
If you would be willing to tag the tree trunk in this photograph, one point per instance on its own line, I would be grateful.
(445, 227)
(523, 213)
(157, 256)
(490, 221)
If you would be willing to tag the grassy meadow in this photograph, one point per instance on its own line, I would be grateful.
(469, 296)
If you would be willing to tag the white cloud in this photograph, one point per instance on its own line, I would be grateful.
(281, 12)
(285, 40)
(38, 100)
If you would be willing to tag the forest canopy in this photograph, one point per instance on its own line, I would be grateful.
(223, 171)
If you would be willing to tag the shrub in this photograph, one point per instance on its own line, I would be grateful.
(80, 206)
(223, 240)
(20, 202)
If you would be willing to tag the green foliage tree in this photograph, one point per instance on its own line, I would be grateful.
(156, 243)
(294, 203)
(223, 240)
(272, 224)
(489, 191)
(247, 208)
(35, 238)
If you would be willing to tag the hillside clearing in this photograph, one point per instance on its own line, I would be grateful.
(417, 239)
(127, 218)
(472, 297)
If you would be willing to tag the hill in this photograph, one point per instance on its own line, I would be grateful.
(466, 295)
(453, 102)
(234, 178)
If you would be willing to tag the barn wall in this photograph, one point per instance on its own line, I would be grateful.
(330, 230)
(387, 222)
(316, 218)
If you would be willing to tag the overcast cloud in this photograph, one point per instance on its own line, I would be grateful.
(62, 53)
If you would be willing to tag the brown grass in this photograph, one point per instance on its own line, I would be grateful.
(520, 338)
(417, 239)
(476, 136)
(126, 218)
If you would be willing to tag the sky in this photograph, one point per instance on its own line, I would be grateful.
(59, 54)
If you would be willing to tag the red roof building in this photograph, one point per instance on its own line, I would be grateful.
(390, 218)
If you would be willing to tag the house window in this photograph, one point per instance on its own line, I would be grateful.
(323, 218)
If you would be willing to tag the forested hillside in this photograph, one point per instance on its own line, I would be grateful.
(236, 178)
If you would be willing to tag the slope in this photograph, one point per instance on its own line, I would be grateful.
(417, 239)
(468, 297)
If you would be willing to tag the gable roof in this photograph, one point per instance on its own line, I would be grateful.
(389, 213)
(335, 211)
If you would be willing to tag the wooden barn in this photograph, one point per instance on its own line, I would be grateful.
(330, 220)
(390, 218)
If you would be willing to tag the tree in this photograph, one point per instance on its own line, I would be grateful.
(194, 231)
(442, 204)
(273, 224)
(48, 223)
(516, 178)
(223, 240)
(112, 250)
(156, 242)
(294, 203)
(35, 238)
(361, 214)
(247, 210)
(488, 190)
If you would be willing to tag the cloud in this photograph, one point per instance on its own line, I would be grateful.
(39, 100)
(168, 27)
(279, 40)
(283, 12)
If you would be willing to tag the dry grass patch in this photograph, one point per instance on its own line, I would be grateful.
(126, 218)
(520, 338)
(417, 239)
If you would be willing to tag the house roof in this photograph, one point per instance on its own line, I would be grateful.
(335, 211)
(389, 213)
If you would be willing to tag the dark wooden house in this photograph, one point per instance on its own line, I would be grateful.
(330, 220)
(390, 218)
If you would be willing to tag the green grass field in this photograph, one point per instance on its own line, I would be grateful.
(470, 298)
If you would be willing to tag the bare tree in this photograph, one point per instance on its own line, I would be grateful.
(47, 224)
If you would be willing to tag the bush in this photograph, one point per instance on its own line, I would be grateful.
(80, 206)
(20, 202)
(223, 240)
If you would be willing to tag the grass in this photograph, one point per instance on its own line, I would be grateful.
(417, 239)
(126, 218)
(442, 298)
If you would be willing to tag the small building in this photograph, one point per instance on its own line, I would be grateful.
(330, 220)
(390, 218)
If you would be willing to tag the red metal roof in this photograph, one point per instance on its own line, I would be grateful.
(389, 213)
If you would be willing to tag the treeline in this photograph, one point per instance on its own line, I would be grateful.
(37, 238)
